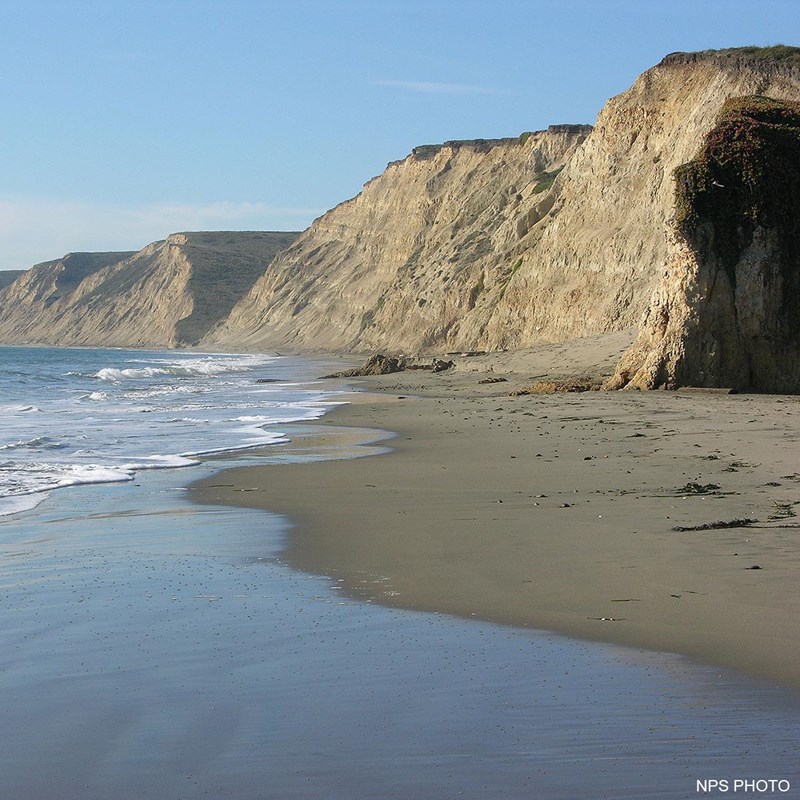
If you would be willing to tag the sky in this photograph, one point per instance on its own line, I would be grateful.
(126, 120)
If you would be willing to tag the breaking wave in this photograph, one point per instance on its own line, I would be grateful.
(152, 410)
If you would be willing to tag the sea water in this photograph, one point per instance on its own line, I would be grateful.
(74, 416)
(152, 648)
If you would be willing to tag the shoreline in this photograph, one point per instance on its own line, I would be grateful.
(557, 512)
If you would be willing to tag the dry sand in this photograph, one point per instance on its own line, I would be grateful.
(558, 511)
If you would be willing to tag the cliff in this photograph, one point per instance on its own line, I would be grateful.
(559, 234)
(419, 259)
(168, 294)
(727, 312)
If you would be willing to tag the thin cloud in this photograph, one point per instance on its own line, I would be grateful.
(431, 87)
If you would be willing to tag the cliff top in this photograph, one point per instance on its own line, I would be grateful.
(77, 266)
(780, 53)
(88, 260)
(424, 151)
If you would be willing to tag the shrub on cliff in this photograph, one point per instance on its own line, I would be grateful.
(747, 176)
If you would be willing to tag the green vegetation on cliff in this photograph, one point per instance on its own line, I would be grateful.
(778, 52)
(545, 180)
(746, 178)
(7, 277)
(225, 265)
(78, 266)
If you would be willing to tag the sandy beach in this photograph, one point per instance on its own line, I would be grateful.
(159, 647)
(558, 511)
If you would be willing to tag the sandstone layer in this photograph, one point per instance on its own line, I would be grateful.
(168, 294)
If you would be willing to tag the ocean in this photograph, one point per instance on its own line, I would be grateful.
(154, 648)
(75, 416)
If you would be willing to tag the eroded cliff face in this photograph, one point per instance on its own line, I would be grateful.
(418, 259)
(47, 282)
(728, 311)
(561, 234)
(168, 294)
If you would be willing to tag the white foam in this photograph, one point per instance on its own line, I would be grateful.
(115, 375)
(80, 474)
(18, 503)
(207, 366)
(33, 480)
(161, 462)
(27, 484)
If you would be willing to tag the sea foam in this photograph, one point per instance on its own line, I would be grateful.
(153, 410)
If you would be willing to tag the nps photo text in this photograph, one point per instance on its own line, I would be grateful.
(744, 785)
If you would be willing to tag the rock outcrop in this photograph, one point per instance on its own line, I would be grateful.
(168, 294)
(378, 364)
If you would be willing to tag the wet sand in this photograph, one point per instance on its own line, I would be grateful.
(557, 512)
(154, 648)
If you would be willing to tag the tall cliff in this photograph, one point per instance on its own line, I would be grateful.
(419, 259)
(559, 234)
(168, 294)
(728, 311)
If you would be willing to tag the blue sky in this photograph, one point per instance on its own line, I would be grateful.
(126, 120)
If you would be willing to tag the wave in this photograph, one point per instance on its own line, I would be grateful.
(38, 443)
(20, 480)
(97, 416)
(16, 504)
(19, 409)
(162, 462)
(245, 446)
(205, 367)
(115, 374)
